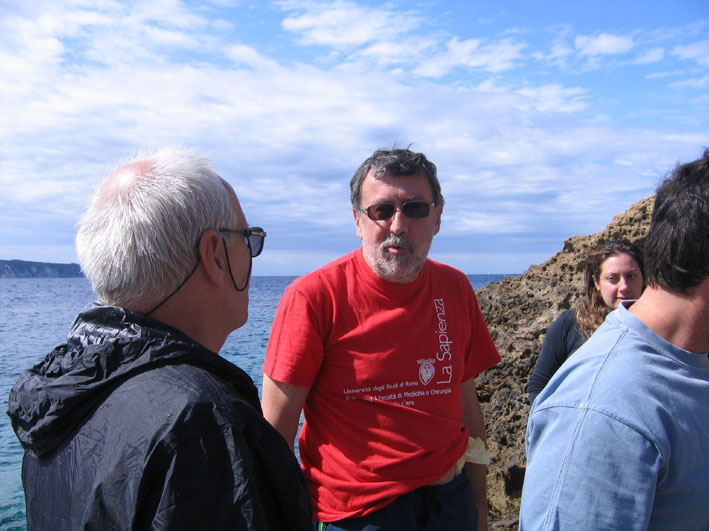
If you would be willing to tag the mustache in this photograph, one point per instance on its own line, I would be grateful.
(398, 241)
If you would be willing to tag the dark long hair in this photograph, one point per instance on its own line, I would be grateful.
(591, 310)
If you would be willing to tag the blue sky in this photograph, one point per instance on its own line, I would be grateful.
(545, 119)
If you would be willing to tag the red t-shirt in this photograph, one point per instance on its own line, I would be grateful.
(384, 362)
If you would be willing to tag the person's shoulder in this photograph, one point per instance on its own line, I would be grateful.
(179, 385)
(328, 274)
(567, 319)
(601, 370)
(568, 315)
(564, 323)
(185, 402)
(333, 268)
(439, 269)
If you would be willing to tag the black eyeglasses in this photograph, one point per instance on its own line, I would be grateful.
(254, 238)
(412, 209)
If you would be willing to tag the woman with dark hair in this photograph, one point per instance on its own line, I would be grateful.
(613, 273)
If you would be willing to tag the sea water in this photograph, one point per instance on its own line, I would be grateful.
(35, 314)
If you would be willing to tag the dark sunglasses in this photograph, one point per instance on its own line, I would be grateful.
(254, 238)
(413, 209)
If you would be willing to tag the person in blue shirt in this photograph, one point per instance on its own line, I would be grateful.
(613, 272)
(618, 438)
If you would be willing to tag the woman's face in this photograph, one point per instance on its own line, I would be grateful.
(620, 279)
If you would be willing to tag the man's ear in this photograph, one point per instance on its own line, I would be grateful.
(358, 220)
(438, 213)
(211, 250)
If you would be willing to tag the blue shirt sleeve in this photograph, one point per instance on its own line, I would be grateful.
(573, 478)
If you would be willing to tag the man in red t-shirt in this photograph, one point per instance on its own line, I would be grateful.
(380, 349)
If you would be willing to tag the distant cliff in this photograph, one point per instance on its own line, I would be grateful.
(518, 311)
(23, 269)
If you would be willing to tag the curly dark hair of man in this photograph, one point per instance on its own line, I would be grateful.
(677, 246)
(397, 162)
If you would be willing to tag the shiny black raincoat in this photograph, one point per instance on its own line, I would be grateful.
(132, 425)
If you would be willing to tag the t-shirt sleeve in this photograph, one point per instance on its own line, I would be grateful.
(482, 353)
(296, 345)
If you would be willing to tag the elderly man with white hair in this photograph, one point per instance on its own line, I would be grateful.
(136, 422)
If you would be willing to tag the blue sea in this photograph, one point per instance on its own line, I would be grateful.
(35, 315)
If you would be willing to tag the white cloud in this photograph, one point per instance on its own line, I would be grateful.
(344, 25)
(249, 57)
(387, 38)
(653, 55)
(521, 153)
(696, 51)
(404, 51)
(603, 44)
(665, 74)
(558, 55)
(553, 98)
(700, 82)
(472, 53)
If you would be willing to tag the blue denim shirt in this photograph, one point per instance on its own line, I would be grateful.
(619, 438)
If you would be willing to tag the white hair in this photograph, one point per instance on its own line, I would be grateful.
(138, 238)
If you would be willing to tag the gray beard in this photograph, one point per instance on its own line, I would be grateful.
(399, 269)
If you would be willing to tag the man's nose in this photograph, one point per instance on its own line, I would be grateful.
(399, 222)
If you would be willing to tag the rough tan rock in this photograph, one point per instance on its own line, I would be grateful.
(518, 311)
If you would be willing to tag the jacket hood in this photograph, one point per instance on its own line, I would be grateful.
(106, 345)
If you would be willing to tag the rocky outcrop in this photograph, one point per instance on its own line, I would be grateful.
(24, 269)
(518, 311)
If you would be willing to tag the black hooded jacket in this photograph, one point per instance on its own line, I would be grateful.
(133, 425)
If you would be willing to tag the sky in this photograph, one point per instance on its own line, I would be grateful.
(545, 118)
